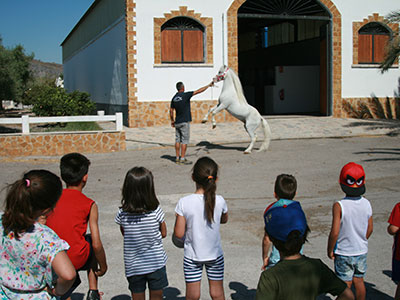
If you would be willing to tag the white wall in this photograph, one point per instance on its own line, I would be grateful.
(357, 82)
(158, 83)
(100, 68)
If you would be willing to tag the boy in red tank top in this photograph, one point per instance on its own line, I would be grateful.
(70, 220)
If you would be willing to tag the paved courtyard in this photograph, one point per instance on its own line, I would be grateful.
(246, 182)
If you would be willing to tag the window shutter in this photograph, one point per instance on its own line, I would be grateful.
(379, 47)
(193, 46)
(171, 46)
(364, 48)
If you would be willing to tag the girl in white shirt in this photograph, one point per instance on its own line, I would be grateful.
(198, 218)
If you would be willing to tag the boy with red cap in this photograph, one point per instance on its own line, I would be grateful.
(351, 227)
(295, 276)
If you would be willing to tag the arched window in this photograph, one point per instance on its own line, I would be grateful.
(182, 41)
(372, 39)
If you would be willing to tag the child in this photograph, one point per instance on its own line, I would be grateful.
(393, 229)
(351, 227)
(29, 250)
(284, 192)
(142, 224)
(198, 218)
(70, 221)
(295, 277)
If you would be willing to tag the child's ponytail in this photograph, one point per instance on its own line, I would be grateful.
(205, 173)
(209, 198)
(28, 198)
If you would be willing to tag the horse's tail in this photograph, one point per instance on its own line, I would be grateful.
(267, 134)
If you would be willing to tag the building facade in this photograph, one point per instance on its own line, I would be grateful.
(293, 57)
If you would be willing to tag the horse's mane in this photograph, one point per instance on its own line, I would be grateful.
(238, 87)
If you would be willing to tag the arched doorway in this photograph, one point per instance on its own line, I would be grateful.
(284, 55)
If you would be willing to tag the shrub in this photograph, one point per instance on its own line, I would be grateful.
(55, 101)
(72, 126)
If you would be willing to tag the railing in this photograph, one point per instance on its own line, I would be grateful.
(26, 120)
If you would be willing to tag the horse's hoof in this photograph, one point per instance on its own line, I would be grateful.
(246, 152)
(203, 121)
(214, 126)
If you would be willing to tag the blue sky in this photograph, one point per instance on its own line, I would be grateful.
(40, 26)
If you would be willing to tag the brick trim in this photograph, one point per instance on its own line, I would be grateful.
(375, 17)
(336, 41)
(131, 62)
(184, 12)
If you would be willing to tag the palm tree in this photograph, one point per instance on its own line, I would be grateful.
(393, 46)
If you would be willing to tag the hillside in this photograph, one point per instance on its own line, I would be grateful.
(45, 69)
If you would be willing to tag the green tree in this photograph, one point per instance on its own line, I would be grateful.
(50, 100)
(393, 46)
(6, 82)
(14, 72)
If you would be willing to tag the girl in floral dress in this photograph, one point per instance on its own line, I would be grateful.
(33, 264)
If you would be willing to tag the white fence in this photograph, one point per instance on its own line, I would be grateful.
(26, 120)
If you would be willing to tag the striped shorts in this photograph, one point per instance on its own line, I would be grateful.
(194, 269)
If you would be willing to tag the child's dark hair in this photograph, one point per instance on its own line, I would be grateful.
(138, 195)
(285, 186)
(28, 197)
(205, 172)
(293, 243)
(73, 167)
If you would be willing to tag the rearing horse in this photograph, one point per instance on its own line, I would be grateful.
(233, 100)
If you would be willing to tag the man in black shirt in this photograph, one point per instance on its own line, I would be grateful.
(180, 103)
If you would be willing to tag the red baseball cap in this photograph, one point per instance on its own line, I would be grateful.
(352, 179)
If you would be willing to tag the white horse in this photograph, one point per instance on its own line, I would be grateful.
(233, 100)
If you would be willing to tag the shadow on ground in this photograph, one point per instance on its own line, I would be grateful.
(241, 291)
(80, 296)
(121, 297)
(4, 129)
(168, 157)
(204, 145)
(172, 293)
(392, 125)
(373, 293)
(77, 296)
(388, 273)
(388, 154)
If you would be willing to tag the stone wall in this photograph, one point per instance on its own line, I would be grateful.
(61, 143)
(387, 108)
(148, 114)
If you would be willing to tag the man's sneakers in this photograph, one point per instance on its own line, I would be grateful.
(93, 295)
(182, 161)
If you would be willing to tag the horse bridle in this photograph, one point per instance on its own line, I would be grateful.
(222, 76)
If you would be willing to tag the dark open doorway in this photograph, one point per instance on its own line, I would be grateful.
(284, 52)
